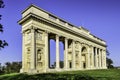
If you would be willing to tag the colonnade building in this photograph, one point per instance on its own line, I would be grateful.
(82, 50)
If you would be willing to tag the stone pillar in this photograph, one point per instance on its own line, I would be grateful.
(102, 63)
(23, 52)
(73, 54)
(99, 58)
(46, 51)
(88, 58)
(105, 66)
(33, 50)
(96, 58)
(66, 54)
(92, 58)
(80, 58)
(57, 52)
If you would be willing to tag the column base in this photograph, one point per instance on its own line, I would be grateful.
(104, 67)
(88, 68)
(73, 69)
(22, 70)
(57, 69)
(32, 71)
(65, 69)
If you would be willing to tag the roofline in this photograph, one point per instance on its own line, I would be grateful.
(34, 15)
(32, 5)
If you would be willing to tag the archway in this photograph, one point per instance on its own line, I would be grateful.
(83, 54)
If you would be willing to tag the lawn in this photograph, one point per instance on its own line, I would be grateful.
(112, 74)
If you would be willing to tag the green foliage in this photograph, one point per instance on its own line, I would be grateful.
(3, 43)
(2, 4)
(13, 67)
(48, 76)
(109, 63)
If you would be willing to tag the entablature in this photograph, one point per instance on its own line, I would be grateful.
(34, 13)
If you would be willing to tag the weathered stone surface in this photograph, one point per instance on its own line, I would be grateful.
(82, 49)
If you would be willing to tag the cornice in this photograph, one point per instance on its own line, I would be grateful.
(34, 16)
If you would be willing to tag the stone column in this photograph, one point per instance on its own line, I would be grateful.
(46, 51)
(88, 58)
(73, 54)
(92, 58)
(80, 58)
(102, 58)
(66, 54)
(105, 66)
(96, 58)
(33, 50)
(57, 52)
(99, 58)
(23, 52)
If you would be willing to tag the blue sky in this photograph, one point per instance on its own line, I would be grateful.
(100, 17)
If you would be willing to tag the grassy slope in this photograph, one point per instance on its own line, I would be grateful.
(112, 74)
(96, 74)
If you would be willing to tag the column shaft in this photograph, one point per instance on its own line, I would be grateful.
(92, 57)
(73, 54)
(102, 59)
(99, 58)
(57, 52)
(80, 58)
(46, 51)
(23, 51)
(105, 66)
(88, 58)
(33, 49)
(96, 58)
(66, 54)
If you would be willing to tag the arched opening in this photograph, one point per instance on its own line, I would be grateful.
(84, 53)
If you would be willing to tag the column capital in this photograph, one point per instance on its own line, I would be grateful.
(66, 38)
(23, 34)
(91, 46)
(47, 31)
(32, 28)
(24, 30)
(73, 40)
(57, 35)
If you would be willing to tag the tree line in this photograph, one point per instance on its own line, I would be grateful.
(10, 67)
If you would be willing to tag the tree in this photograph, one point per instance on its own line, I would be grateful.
(109, 61)
(3, 43)
(13, 67)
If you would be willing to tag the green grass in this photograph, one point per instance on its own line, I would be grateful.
(112, 74)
